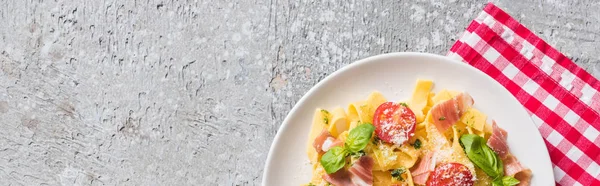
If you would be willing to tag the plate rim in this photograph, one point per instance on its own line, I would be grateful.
(285, 124)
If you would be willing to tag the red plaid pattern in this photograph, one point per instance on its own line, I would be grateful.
(562, 99)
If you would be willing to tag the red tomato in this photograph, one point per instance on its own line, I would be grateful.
(450, 174)
(394, 123)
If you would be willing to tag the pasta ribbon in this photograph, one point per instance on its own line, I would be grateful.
(474, 118)
(362, 111)
(407, 156)
(339, 122)
(444, 95)
(419, 98)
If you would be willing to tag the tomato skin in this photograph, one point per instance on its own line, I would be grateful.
(450, 174)
(394, 123)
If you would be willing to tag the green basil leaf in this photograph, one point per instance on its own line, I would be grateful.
(334, 159)
(493, 158)
(509, 181)
(482, 156)
(359, 137)
(497, 182)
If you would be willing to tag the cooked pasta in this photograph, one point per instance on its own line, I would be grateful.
(405, 142)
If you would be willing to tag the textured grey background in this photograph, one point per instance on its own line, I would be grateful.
(155, 92)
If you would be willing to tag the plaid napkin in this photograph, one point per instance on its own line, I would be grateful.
(562, 98)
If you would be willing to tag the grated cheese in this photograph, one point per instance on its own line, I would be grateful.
(398, 135)
(388, 154)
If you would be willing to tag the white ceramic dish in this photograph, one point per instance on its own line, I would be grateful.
(394, 75)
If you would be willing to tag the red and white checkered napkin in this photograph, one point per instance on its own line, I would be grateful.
(562, 98)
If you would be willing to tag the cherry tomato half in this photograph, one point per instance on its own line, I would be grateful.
(394, 123)
(450, 174)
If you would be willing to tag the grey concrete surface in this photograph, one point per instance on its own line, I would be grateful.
(192, 92)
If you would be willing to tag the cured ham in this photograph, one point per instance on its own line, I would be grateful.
(339, 178)
(446, 113)
(424, 168)
(497, 141)
(512, 166)
(331, 142)
(360, 174)
(325, 141)
(464, 101)
(524, 177)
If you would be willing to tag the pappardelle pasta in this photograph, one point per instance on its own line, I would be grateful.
(430, 139)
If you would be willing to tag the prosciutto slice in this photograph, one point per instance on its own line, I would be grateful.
(360, 174)
(497, 141)
(325, 141)
(424, 168)
(446, 113)
(524, 177)
(339, 178)
(362, 171)
(512, 166)
(464, 102)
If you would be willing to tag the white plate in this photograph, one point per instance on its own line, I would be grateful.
(394, 75)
